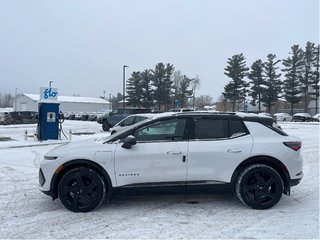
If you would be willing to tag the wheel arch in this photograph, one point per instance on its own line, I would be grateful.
(269, 161)
(75, 164)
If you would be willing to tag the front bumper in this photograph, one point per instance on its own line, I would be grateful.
(294, 182)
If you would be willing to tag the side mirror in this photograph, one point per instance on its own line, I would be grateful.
(129, 141)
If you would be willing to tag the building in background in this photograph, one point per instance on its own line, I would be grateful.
(29, 102)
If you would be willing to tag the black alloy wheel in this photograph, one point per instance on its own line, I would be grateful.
(259, 186)
(82, 190)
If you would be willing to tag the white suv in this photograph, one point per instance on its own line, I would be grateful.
(260, 162)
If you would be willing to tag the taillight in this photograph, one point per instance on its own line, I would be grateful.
(293, 145)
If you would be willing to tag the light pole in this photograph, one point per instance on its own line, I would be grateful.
(15, 100)
(124, 85)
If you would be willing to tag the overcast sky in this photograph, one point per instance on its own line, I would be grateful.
(82, 45)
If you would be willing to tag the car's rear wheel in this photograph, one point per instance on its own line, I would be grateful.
(105, 126)
(259, 186)
(81, 189)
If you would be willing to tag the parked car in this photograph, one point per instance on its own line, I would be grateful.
(84, 116)
(265, 114)
(130, 120)
(21, 117)
(72, 116)
(283, 117)
(135, 118)
(66, 115)
(302, 117)
(181, 110)
(110, 119)
(78, 115)
(2, 117)
(93, 116)
(243, 151)
(316, 117)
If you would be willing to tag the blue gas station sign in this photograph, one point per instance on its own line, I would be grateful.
(48, 94)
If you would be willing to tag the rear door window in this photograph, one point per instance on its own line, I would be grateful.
(236, 128)
(211, 128)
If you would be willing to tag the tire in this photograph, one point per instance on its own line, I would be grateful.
(105, 126)
(81, 190)
(259, 186)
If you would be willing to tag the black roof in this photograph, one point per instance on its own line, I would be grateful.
(252, 117)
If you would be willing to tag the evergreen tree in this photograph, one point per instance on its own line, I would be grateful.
(257, 82)
(236, 70)
(293, 68)
(146, 87)
(162, 83)
(183, 91)
(134, 89)
(314, 81)
(270, 94)
(184, 88)
(309, 58)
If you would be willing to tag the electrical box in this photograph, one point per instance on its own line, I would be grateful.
(48, 127)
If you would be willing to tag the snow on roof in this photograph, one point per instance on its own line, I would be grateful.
(6, 109)
(36, 97)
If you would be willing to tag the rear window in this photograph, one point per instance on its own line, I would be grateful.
(211, 128)
(236, 128)
(207, 128)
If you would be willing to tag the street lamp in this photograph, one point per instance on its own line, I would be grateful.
(15, 100)
(124, 85)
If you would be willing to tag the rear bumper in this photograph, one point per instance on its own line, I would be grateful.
(49, 193)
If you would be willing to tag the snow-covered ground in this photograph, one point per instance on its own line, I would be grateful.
(25, 212)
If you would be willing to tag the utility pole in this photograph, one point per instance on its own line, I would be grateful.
(124, 85)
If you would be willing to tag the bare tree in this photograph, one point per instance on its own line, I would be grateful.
(203, 100)
(7, 100)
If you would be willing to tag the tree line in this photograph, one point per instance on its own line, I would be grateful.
(6, 100)
(299, 80)
(163, 88)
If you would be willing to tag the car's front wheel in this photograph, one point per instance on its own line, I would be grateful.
(81, 189)
(259, 186)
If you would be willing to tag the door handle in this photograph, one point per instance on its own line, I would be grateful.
(234, 151)
(174, 152)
